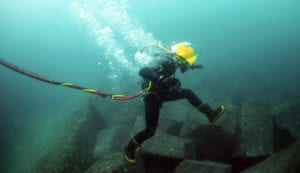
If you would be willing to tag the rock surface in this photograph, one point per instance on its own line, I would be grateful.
(194, 166)
(163, 152)
(256, 130)
(73, 150)
(285, 161)
(287, 116)
(115, 163)
(211, 142)
(168, 146)
(192, 120)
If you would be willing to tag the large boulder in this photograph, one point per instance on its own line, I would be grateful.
(115, 163)
(105, 142)
(174, 128)
(174, 110)
(165, 145)
(172, 115)
(212, 142)
(283, 137)
(194, 166)
(72, 150)
(192, 120)
(139, 124)
(285, 161)
(163, 152)
(254, 134)
(110, 140)
(230, 121)
(287, 116)
(255, 130)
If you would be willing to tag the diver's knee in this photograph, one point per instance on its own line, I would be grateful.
(150, 132)
(187, 92)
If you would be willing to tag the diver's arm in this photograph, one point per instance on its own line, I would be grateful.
(197, 66)
(150, 74)
(184, 68)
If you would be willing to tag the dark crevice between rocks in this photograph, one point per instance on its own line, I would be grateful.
(159, 164)
(241, 163)
(283, 137)
(215, 140)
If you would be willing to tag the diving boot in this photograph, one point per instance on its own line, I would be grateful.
(212, 115)
(129, 151)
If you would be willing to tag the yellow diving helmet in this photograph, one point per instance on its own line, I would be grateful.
(184, 52)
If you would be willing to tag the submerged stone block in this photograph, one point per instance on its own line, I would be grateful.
(72, 150)
(194, 166)
(104, 142)
(192, 120)
(162, 153)
(285, 161)
(115, 163)
(168, 146)
(287, 116)
(255, 130)
(211, 142)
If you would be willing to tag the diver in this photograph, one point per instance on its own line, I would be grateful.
(162, 86)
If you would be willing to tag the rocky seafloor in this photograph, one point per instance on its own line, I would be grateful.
(253, 136)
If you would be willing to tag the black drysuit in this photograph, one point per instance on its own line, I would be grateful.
(164, 88)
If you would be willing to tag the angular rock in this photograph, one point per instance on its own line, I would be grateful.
(110, 140)
(168, 146)
(174, 110)
(285, 161)
(256, 130)
(115, 163)
(194, 166)
(105, 141)
(283, 137)
(138, 125)
(174, 128)
(287, 116)
(172, 115)
(73, 149)
(211, 142)
(193, 119)
(230, 121)
(163, 152)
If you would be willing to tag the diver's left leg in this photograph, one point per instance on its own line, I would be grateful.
(211, 114)
(152, 105)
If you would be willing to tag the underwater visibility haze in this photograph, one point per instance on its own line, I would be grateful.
(250, 49)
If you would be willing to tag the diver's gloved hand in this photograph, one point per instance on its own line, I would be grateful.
(184, 68)
(197, 66)
(170, 83)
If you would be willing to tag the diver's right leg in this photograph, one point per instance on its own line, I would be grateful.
(211, 114)
(152, 105)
